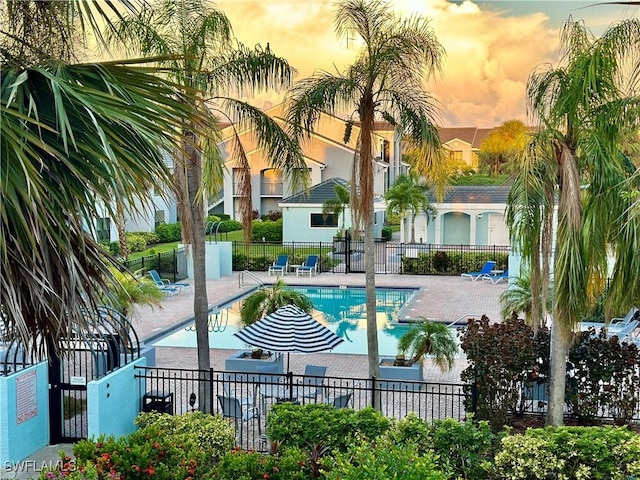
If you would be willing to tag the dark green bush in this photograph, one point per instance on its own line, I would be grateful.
(272, 215)
(387, 233)
(303, 426)
(169, 232)
(223, 216)
(229, 226)
(270, 231)
(451, 263)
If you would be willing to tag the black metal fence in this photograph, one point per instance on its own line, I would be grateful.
(171, 264)
(347, 256)
(246, 397)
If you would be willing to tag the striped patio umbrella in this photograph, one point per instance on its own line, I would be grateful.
(289, 329)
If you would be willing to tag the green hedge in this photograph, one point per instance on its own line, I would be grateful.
(442, 262)
(269, 230)
(169, 232)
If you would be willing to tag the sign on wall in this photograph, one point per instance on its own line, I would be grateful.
(26, 396)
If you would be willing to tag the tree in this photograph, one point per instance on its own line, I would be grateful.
(518, 298)
(195, 40)
(408, 194)
(585, 107)
(430, 338)
(336, 206)
(72, 136)
(131, 288)
(499, 150)
(385, 80)
(267, 300)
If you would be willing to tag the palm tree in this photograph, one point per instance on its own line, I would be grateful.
(576, 158)
(336, 206)
(267, 300)
(399, 201)
(385, 80)
(130, 288)
(429, 338)
(94, 129)
(197, 44)
(518, 299)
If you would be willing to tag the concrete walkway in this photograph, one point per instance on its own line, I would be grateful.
(443, 298)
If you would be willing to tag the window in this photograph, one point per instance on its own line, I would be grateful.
(103, 229)
(159, 217)
(456, 155)
(318, 222)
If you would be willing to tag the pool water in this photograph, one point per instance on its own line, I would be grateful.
(342, 310)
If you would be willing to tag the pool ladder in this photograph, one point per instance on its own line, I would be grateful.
(247, 273)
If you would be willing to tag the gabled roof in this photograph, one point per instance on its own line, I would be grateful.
(475, 194)
(471, 135)
(317, 194)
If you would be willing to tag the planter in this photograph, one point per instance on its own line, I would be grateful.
(401, 375)
(241, 361)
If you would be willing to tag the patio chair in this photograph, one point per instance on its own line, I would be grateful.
(231, 408)
(313, 381)
(341, 401)
(310, 266)
(165, 283)
(616, 323)
(498, 277)
(485, 272)
(244, 401)
(623, 331)
(280, 266)
(270, 385)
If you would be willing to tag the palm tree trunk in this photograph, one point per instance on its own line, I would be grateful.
(413, 228)
(200, 303)
(557, 376)
(370, 292)
(402, 235)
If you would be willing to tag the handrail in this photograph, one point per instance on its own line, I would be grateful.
(466, 315)
(250, 275)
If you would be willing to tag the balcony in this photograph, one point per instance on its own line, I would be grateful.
(271, 189)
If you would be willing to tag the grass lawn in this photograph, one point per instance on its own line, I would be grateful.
(165, 247)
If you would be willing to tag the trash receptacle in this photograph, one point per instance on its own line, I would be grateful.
(158, 401)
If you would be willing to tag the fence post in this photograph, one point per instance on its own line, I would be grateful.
(211, 398)
(289, 380)
(373, 392)
(175, 264)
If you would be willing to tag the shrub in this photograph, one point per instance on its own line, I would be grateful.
(229, 226)
(382, 460)
(136, 243)
(303, 426)
(272, 215)
(441, 261)
(223, 216)
(287, 464)
(150, 237)
(501, 358)
(165, 447)
(568, 452)
(270, 231)
(387, 233)
(169, 232)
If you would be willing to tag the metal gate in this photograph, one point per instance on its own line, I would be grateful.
(79, 359)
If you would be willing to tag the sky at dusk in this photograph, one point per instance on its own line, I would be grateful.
(491, 46)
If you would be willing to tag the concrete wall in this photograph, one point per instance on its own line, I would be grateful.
(217, 260)
(113, 402)
(20, 438)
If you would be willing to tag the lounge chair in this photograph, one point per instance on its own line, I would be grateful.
(310, 266)
(616, 323)
(485, 272)
(164, 283)
(498, 277)
(280, 266)
(341, 401)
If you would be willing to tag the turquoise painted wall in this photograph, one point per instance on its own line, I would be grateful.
(113, 402)
(19, 440)
(455, 229)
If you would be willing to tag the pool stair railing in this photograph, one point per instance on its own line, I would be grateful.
(247, 273)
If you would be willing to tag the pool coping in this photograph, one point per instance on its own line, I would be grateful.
(182, 323)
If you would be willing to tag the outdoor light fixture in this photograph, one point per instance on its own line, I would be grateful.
(192, 401)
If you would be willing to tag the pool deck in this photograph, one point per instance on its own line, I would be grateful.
(443, 298)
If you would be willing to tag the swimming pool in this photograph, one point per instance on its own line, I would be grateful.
(340, 309)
